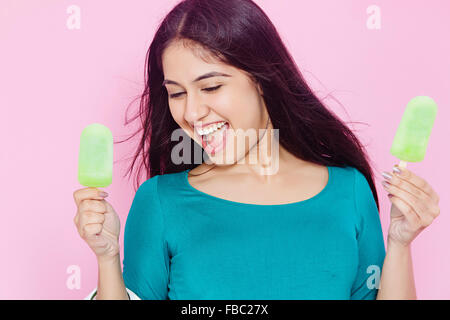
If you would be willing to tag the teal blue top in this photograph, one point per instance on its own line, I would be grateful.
(182, 243)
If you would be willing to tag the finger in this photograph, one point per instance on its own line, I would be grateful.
(407, 186)
(418, 205)
(92, 205)
(409, 212)
(108, 206)
(91, 230)
(87, 193)
(91, 217)
(420, 183)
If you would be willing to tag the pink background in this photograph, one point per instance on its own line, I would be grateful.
(54, 81)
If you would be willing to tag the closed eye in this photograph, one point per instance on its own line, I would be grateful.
(212, 88)
(206, 89)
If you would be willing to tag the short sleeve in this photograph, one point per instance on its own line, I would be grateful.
(146, 259)
(371, 248)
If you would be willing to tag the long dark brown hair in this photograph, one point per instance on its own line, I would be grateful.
(239, 33)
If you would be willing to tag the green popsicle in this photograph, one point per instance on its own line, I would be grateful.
(411, 139)
(95, 158)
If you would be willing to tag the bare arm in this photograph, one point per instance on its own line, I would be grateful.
(414, 207)
(397, 278)
(110, 280)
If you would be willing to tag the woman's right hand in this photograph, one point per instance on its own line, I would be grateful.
(97, 223)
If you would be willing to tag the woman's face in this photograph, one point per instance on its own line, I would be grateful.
(228, 96)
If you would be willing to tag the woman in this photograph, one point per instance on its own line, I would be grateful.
(300, 221)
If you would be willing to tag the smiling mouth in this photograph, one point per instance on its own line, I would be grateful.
(198, 135)
(207, 139)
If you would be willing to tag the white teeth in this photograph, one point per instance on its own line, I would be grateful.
(210, 129)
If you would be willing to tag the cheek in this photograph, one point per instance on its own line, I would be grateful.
(246, 111)
(238, 104)
(225, 107)
(176, 112)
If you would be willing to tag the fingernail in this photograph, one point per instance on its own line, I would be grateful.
(397, 170)
(387, 175)
(390, 195)
(103, 194)
(385, 184)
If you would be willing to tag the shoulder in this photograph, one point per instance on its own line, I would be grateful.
(145, 197)
(162, 186)
(361, 186)
(152, 195)
(347, 172)
(364, 198)
(149, 184)
(353, 182)
(147, 190)
(343, 179)
(350, 176)
(364, 201)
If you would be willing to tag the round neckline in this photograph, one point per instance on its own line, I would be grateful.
(302, 202)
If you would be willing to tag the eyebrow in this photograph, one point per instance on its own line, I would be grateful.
(205, 76)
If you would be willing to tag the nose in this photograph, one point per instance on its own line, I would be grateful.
(195, 110)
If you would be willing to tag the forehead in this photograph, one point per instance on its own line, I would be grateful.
(184, 59)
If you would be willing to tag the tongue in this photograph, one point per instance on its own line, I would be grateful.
(216, 138)
(214, 141)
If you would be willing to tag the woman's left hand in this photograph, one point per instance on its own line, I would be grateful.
(414, 205)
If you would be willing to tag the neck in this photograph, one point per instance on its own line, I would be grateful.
(265, 159)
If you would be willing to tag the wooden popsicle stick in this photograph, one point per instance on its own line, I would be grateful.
(402, 164)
